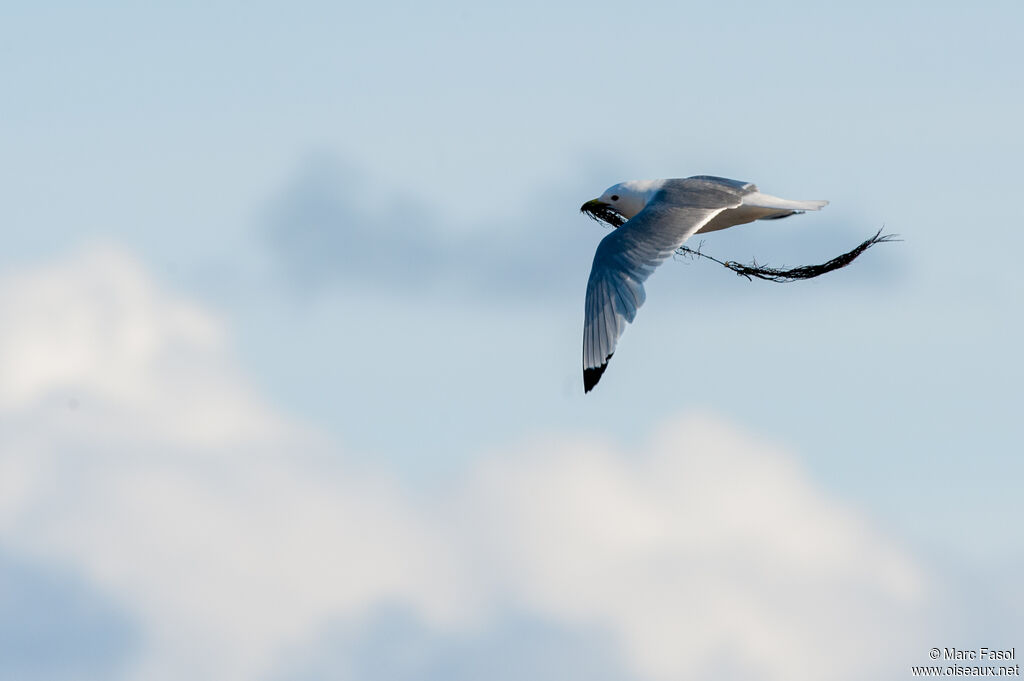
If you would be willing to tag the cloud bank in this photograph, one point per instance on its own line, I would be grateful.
(243, 545)
(330, 226)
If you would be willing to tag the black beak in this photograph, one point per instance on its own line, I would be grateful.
(602, 212)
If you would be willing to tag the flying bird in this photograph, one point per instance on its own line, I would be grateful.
(660, 216)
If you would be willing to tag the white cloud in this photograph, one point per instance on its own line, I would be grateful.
(233, 533)
(708, 547)
(96, 331)
(171, 484)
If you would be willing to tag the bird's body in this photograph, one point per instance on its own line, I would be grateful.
(661, 216)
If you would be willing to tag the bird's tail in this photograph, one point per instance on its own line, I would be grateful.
(768, 201)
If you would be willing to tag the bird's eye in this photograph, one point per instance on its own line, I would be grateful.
(615, 197)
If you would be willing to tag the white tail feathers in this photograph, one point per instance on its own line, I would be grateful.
(759, 200)
(758, 206)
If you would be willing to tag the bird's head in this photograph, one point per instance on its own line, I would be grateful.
(625, 198)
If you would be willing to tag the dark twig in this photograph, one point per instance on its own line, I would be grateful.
(603, 214)
(797, 273)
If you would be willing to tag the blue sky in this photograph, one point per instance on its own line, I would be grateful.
(343, 240)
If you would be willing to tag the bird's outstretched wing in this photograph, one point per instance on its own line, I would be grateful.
(627, 256)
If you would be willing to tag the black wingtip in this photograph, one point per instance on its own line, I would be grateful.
(592, 376)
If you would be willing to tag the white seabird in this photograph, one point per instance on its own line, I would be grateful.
(660, 216)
